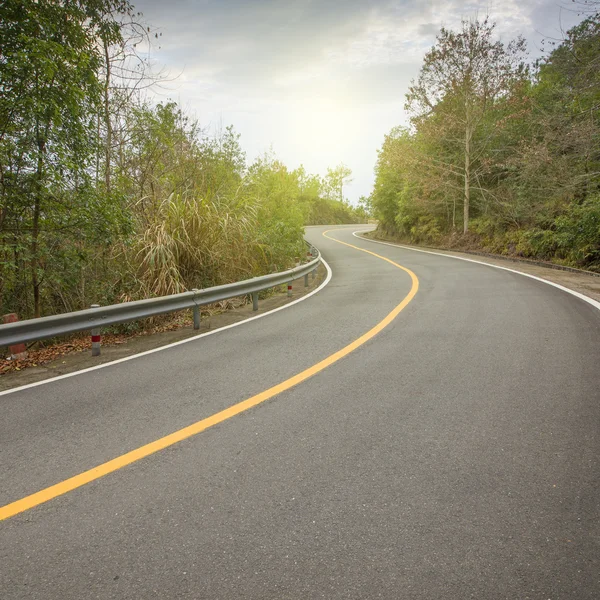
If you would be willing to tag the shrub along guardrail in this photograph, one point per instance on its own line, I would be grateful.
(95, 318)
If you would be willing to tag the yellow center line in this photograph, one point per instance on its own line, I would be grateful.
(68, 485)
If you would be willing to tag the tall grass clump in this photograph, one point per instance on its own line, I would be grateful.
(193, 242)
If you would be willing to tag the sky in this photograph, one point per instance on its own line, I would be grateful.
(318, 82)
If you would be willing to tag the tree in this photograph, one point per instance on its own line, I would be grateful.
(569, 96)
(106, 197)
(49, 94)
(521, 154)
(123, 74)
(335, 180)
(462, 79)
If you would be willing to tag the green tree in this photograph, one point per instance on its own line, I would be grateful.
(462, 79)
(334, 181)
(49, 94)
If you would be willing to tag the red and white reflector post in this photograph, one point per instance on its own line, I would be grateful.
(96, 338)
(17, 351)
(289, 290)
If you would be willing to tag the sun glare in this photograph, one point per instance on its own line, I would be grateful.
(322, 126)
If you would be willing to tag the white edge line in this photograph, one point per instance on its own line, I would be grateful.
(167, 346)
(583, 297)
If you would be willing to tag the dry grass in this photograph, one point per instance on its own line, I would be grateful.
(188, 242)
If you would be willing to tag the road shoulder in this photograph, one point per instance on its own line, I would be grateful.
(137, 344)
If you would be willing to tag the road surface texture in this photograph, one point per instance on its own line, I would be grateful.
(453, 455)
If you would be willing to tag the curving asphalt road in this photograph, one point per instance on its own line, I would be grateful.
(454, 455)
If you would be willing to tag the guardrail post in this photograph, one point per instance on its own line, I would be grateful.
(96, 338)
(254, 300)
(312, 273)
(196, 313)
(289, 290)
(17, 351)
(306, 280)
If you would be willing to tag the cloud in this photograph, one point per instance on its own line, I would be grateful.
(428, 30)
(274, 44)
(260, 64)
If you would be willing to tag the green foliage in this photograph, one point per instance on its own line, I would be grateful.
(183, 212)
(574, 237)
(275, 191)
(107, 197)
(49, 94)
(334, 181)
(458, 106)
(533, 175)
(323, 211)
(321, 200)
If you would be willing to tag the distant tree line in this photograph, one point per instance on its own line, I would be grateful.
(499, 155)
(106, 196)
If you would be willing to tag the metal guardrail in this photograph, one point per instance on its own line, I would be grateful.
(103, 316)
